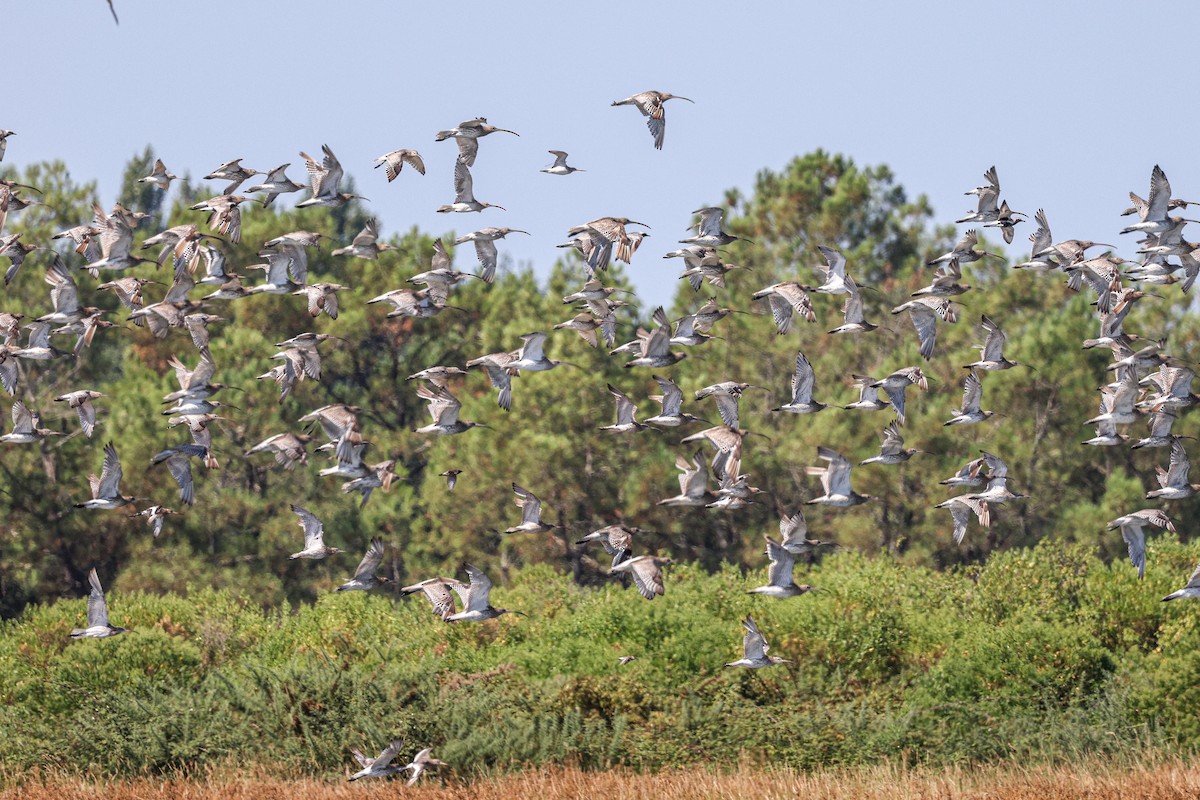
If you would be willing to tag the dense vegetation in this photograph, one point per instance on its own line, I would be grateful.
(1052, 648)
(1041, 654)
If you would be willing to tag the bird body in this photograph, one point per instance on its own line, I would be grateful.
(755, 648)
(98, 626)
(650, 104)
(476, 604)
(379, 767)
(646, 572)
(314, 536)
(835, 480)
(467, 134)
(780, 580)
(106, 492)
(1133, 531)
(560, 166)
(365, 578)
(531, 513)
(803, 386)
(1191, 589)
(892, 450)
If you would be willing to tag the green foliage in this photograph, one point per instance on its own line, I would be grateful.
(1007, 660)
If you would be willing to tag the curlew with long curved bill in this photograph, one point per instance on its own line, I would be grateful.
(379, 767)
(835, 480)
(464, 193)
(98, 626)
(780, 580)
(477, 606)
(650, 104)
(365, 578)
(467, 134)
(106, 488)
(755, 648)
(1133, 531)
(804, 382)
(531, 513)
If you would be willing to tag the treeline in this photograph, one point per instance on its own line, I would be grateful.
(239, 531)
(1041, 654)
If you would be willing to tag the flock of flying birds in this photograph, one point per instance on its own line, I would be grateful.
(1148, 383)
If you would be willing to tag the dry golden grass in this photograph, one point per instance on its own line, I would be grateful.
(1172, 780)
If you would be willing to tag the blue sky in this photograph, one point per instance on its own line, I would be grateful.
(1074, 102)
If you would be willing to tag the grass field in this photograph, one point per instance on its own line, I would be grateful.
(1169, 780)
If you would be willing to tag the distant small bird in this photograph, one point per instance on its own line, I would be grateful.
(991, 355)
(26, 426)
(314, 536)
(276, 183)
(961, 509)
(650, 104)
(726, 394)
(895, 385)
(234, 172)
(444, 408)
(693, 483)
(785, 299)
(155, 517)
(709, 232)
(794, 530)
(924, 313)
(671, 401)
(365, 578)
(290, 449)
(970, 411)
(485, 249)
(464, 193)
(852, 312)
(4, 134)
(755, 648)
(964, 251)
(560, 165)
(159, 176)
(98, 626)
(451, 476)
(623, 660)
(365, 243)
